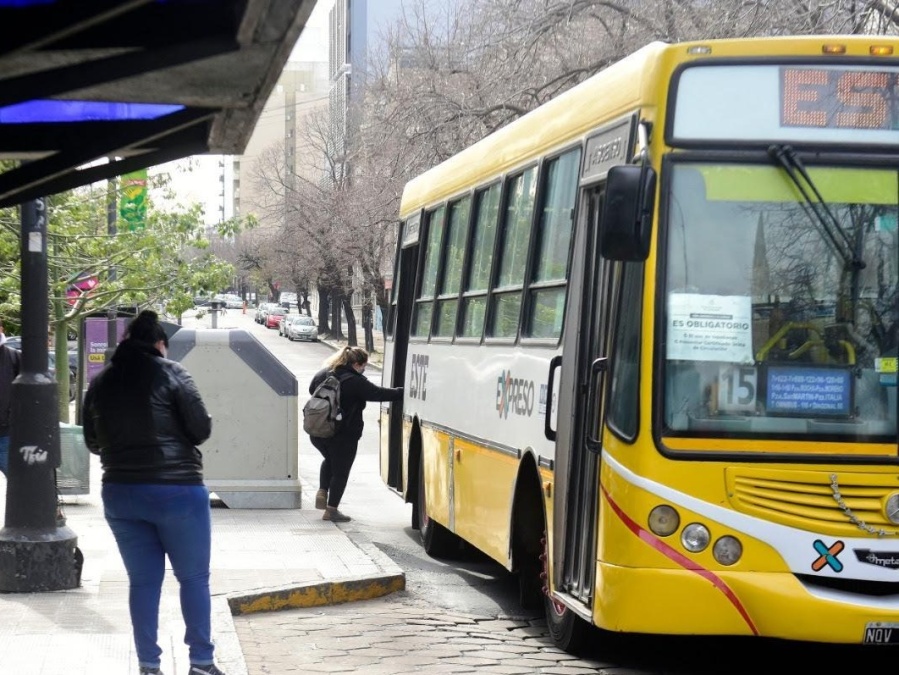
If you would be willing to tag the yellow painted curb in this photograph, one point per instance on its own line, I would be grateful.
(317, 595)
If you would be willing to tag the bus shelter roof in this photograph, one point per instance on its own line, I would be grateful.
(93, 90)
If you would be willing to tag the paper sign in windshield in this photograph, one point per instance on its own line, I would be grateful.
(709, 328)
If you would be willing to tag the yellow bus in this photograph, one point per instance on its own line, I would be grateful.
(649, 337)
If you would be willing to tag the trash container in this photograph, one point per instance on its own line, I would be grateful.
(73, 474)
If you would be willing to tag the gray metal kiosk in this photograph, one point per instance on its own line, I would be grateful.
(251, 459)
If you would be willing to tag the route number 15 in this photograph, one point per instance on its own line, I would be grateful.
(737, 388)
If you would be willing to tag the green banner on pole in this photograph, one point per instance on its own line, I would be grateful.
(133, 203)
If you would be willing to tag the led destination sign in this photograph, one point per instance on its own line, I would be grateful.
(838, 99)
(780, 103)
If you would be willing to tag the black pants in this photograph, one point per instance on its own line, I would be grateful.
(339, 455)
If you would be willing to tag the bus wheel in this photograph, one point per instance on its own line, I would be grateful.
(437, 541)
(569, 632)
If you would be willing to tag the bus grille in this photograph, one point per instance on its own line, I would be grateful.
(834, 503)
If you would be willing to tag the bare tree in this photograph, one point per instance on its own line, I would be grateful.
(448, 75)
(452, 73)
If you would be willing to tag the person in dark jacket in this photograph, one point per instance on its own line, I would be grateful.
(10, 364)
(145, 418)
(339, 451)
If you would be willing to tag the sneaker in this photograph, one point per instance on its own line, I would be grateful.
(335, 516)
(146, 670)
(321, 499)
(211, 669)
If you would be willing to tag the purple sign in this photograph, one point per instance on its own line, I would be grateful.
(96, 336)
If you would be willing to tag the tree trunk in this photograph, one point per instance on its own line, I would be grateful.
(336, 322)
(324, 298)
(351, 340)
(367, 324)
(304, 308)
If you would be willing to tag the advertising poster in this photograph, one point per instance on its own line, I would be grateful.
(96, 331)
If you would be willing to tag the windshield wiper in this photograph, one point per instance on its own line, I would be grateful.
(817, 209)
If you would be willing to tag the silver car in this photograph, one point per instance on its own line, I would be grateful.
(302, 328)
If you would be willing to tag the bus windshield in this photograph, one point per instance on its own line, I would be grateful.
(782, 303)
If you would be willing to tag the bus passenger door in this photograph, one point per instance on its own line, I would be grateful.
(404, 286)
(583, 373)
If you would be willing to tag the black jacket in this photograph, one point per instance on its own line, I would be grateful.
(10, 364)
(144, 416)
(355, 390)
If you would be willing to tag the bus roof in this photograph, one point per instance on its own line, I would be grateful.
(621, 88)
(554, 124)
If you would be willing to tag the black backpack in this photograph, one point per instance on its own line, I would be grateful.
(322, 413)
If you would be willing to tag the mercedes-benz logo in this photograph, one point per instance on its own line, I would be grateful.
(891, 508)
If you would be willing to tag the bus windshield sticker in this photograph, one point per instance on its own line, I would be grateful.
(710, 328)
(887, 368)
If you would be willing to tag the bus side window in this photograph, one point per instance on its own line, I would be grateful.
(547, 290)
(505, 310)
(424, 305)
(451, 274)
(474, 298)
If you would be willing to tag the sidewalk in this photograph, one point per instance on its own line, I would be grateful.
(261, 560)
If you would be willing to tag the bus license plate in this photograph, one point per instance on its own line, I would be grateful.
(882, 634)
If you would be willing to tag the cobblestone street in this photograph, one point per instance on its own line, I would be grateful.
(390, 636)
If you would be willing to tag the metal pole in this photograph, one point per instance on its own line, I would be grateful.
(36, 552)
(111, 314)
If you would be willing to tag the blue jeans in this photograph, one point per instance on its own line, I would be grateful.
(148, 522)
(4, 455)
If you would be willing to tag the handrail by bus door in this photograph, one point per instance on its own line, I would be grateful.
(600, 365)
(554, 364)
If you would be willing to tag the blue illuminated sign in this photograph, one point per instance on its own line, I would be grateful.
(48, 111)
(809, 391)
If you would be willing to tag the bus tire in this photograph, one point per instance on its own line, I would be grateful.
(568, 631)
(437, 541)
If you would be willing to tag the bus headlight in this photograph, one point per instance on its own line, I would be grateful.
(695, 537)
(663, 520)
(727, 550)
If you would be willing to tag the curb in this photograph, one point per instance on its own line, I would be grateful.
(317, 594)
(391, 579)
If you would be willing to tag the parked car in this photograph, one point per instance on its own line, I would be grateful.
(15, 342)
(273, 318)
(287, 300)
(230, 300)
(262, 310)
(302, 328)
(73, 377)
(282, 324)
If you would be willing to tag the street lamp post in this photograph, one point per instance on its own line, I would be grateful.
(37, 552)
(111, 314)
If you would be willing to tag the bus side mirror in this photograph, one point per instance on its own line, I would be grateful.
(626, 221)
